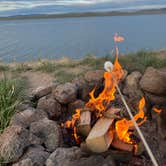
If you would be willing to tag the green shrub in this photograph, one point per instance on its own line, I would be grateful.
(11, 94)
(4, 67)
(141, 60)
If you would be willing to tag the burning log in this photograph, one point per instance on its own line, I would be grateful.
(118, 144)
(101, 135)
(84, 125)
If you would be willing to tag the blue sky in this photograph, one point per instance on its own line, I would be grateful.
(17, 7)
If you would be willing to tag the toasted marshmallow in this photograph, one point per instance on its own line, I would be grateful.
(108, 66)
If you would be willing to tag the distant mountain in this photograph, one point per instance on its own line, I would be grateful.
(86, 14)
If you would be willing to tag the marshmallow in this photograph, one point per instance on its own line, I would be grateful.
(108, 66)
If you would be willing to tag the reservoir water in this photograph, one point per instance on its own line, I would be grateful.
(23, 40)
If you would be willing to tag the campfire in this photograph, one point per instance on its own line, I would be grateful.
(100, 125)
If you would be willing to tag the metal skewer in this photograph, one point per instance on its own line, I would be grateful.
(108, 67)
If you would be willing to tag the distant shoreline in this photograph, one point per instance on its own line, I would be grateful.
(85, 14)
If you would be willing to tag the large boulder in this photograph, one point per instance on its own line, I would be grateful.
(48, 131)
(34, 155)
(131, 85)
(13, 141)
(65, 93)
(64, 156)
(153, 81)
(51, 106)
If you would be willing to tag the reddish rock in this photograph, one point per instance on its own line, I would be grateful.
(131, 87)
(43, 91)
(153, 81)
(94, 76)
(65, 93)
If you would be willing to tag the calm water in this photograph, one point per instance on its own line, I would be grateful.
(23, 40)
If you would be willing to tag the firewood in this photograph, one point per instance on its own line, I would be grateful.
(118, 144)
(112, 113)
(84, 125)
(101, 135)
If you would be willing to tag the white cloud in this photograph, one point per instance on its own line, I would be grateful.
(17, 4)
(28, 4)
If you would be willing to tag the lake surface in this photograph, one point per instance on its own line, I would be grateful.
(22, 40)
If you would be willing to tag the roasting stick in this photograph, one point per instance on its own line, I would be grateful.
(108, 67)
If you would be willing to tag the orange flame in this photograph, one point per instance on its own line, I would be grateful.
(122, 126)
(118, 38)
(71, 123)
(101, 102)
(157, 110)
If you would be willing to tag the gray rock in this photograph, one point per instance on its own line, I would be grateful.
(91, 80)
(86, 90)
(153, 81)
(65, 93)
(34, 155)
(155, 99)
(13, 142)
(25, 162)
(94, 79)
(22, 118)
(64, 156)
(96, 160)
(160, 120)
(43, 91)
(131, 87)
(48, 131)
(51, 106)
(162, 147)
(26, 117)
